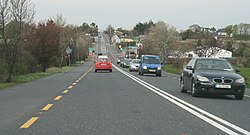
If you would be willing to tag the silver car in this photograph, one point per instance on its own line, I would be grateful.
(134, 65)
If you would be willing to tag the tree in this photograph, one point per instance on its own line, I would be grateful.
(59, 20)
(229, 30)
(44, 43)
(14, 14)
(142, 28)
(160, 39)
(207, 47)
(110, 31)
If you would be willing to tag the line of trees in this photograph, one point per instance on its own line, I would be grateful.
(26, 47)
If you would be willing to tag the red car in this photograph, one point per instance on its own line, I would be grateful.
(103, 63)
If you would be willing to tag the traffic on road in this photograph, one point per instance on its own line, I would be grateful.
(89, 100)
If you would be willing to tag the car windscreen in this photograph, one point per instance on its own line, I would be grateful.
(213, 64)
(135, 61)
(127, 60)
(152, 60)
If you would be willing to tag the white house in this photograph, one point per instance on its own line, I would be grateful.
(222, 53)
(115, 39)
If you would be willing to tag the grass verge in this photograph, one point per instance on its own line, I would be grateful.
(34, 76)
(245, 72)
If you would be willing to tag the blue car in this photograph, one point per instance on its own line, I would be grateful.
(150, 64)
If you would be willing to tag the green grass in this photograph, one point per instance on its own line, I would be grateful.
(169, 68)
(245, 72)
(34, 76)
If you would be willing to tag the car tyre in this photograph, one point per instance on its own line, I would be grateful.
(239, 96)
(193, 90)
(182, 86)
(110, 70)
(130, 70)
(95, 70)
(158, 74)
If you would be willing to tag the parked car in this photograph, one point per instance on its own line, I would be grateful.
(134, 65)
(103, 63)
(118, 59)
(126, 62)
(212, 75)
(150, 64)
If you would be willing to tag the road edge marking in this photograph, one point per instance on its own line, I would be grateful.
(202, 114)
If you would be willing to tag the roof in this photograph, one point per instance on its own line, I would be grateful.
(209, 58)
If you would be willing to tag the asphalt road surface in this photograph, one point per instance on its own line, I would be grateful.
(82, 102)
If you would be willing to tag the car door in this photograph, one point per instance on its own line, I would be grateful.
(188, 74)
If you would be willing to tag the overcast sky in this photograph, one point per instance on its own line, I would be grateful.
(127, 13)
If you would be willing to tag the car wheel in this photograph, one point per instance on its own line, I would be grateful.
(239, 96)
(110, 70)
(139, 73)
(130, 70)
(142, 73)
(158, 75)
(182, 86)
(95, 70)
(193, 90)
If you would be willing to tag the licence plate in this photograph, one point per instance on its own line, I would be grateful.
(103, 64)
(151, 70)
(223, 86)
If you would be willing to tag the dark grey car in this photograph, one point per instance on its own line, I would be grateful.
(212, 75)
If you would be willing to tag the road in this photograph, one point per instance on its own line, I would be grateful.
(81, 101)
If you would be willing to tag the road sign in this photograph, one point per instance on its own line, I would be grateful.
(68, 50)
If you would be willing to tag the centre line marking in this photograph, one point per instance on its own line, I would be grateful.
(47, 107)
(74, 84)
(70, 87)
(66, 91)
(77, 81)
(58, 98)
(29, 122)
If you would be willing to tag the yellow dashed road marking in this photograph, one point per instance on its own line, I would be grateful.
(47, 107)
(29, 122)
(77, 81)
(70, 87)
(58, 98)
(74, 84)
(66, 91)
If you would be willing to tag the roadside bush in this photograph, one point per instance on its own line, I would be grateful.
(20, 69)
(247, 63)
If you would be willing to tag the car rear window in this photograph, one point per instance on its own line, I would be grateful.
(103, 60)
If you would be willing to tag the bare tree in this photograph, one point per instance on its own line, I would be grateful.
(207, 47)
(14, 14)
(160, 39)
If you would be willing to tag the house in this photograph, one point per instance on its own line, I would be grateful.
(220, 53)
(220, 34)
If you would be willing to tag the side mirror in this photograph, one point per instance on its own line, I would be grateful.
(237, 70)
(189, 67)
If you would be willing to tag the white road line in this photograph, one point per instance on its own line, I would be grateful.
(202, 114)
(247, 96)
